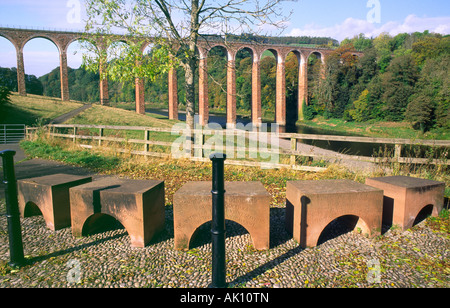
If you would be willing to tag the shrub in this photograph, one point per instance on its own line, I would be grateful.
(4, 99)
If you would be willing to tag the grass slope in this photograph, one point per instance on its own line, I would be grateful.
(34, 109)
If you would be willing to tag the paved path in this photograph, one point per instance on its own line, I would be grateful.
(26, 167)
(327, 155)
(63, 118)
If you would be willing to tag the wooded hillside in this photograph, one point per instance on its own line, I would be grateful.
(401, 78)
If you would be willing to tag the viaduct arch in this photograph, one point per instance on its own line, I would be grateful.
(62, 40)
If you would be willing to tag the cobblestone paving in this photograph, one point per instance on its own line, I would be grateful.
(416, 258)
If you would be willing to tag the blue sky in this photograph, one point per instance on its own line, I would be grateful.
(335, 18)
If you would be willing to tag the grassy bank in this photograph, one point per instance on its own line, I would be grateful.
(33, 110)
(375, 129)
(103, 115)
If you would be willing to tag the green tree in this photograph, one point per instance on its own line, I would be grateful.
(430, 47)
(4, 99)
(244, 63)
(420, 112)
(382, 44)
(398, 85)
(8, 78)
(174, 23)
(429, 106)
(360, 111)
(268, 83)
(360, 42)
(342, 74)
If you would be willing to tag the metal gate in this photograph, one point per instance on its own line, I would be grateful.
(11, 133)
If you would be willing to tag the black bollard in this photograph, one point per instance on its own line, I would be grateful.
(12, 210)
(218, 232)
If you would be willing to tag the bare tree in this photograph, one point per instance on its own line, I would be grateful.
(177, 26)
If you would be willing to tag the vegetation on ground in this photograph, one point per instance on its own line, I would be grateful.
(396, 250)
(177, 172)
(377, 129)
(35, 110)
(4, 99)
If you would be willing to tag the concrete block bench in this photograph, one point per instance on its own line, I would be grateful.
(247, 203)
(312, 205)
(405, 197)
(50, 194)
(137, 204)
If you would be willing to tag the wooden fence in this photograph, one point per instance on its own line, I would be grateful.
(201, 147)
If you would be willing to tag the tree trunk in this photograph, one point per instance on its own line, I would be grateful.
(190, 104)
(190, 93)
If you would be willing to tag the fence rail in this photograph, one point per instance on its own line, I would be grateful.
(11, 133)
(200, 146)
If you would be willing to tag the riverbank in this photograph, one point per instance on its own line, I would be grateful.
(373, 129)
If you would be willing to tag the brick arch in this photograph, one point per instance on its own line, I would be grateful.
(147, 44)
(255, 102)
(78, 39)
(10, 39)
(62, 40)
(294, 111)
(209, 47)
(122, 39)
(274, 51)
(42, 36)
(255, 53)
(280, 99)
(12, 43)
(117, 42)
(296, 52)
(317, 53)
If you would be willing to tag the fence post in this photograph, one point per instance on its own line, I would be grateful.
(12, 210)
(198, 143)
(398, 152)
(293, 148)
(146, 138)
(100, 134)
(218, 232)
(74, 134)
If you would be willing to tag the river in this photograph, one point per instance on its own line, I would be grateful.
(351, 148)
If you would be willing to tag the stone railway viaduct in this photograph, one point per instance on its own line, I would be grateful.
(62, 40)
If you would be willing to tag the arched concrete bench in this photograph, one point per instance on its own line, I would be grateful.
(312, 205)
(137, 204)
(50, 194)
(247, 203)
(405, 197)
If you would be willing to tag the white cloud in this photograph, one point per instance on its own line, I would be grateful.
(351, 27)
